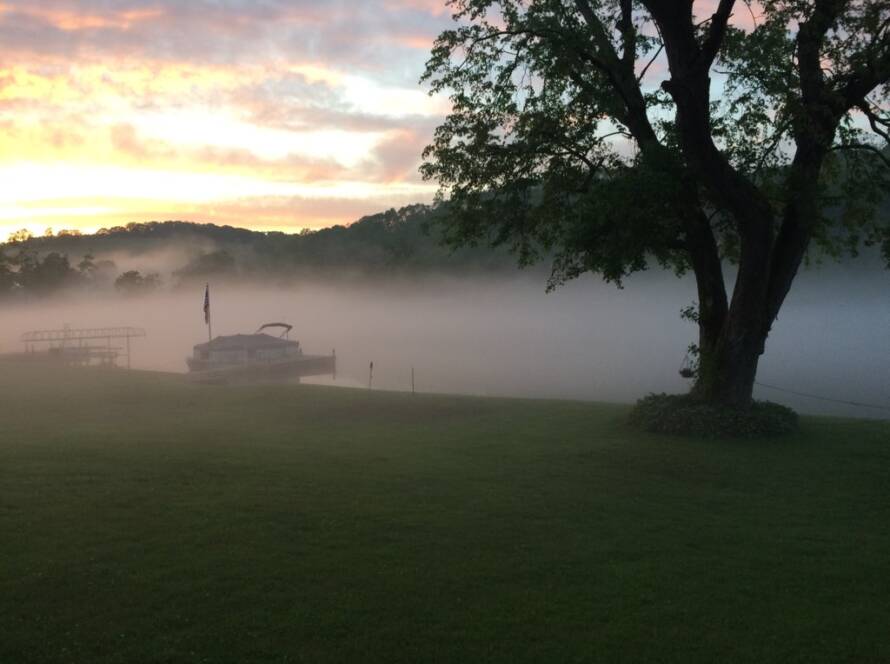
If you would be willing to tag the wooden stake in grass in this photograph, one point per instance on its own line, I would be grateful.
(370, 375)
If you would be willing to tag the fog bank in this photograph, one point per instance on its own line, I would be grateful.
(588, 340)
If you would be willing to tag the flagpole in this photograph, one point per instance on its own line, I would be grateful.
(207, 315)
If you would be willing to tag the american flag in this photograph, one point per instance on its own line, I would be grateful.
(207, 304)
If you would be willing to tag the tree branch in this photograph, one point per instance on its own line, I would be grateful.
(781, 128)
(628, 35)
(620, 73)
(653, 59)
(859, 84)
(810, 39)
(814, 130)
(875, 121)
(716, 32)
(864, 147)
(604, 46)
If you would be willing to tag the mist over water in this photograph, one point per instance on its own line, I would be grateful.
(506, 336)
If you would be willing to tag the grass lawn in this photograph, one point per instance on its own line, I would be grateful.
(143, 519)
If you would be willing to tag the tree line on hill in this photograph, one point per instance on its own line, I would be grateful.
(392, 243)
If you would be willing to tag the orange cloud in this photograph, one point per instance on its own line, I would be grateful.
(421, 42)
(273, 114)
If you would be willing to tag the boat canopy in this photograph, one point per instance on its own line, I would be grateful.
(287, 328)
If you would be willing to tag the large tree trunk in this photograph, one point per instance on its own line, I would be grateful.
(770, 255)
(732, 339)
(726, 372)
(728, 367)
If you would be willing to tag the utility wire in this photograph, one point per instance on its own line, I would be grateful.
(816, 396)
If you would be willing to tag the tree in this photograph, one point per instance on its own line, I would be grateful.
(618, 133)
(44, 276)
(133, 283)
(7, 275)
(104, 271)
(87, 266)
(213, 264)
(20, 236)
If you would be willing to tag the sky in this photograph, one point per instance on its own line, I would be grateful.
(267, 114)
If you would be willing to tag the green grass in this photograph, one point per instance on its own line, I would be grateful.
(143, 519)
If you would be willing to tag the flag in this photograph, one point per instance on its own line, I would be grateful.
(207, 304)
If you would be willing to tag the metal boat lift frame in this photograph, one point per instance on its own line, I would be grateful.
(70, 337)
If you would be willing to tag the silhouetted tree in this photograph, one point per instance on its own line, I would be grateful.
(104, 271)
(48, 275)
(87, 265)
(7, 275)
(20, 236)
(213, 264)
(592, 128)
(133, 283)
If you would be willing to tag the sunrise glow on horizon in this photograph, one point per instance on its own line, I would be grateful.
(271, 116)
(278, 115)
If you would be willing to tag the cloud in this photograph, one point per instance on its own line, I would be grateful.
(68, 20)
(266, 113)
(277, 113)
(398, 157)
(158, 154)
(382, 37)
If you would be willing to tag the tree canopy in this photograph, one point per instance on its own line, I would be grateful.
(618, 133)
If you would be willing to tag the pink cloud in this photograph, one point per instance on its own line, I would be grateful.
(159, 154)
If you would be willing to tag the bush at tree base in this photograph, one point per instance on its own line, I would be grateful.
(682, 414)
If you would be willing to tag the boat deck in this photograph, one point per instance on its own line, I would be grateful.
(290, 368)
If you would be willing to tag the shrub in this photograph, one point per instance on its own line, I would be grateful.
(684, 415)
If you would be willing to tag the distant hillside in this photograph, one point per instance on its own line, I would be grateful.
(391, 243)
(141, 257)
